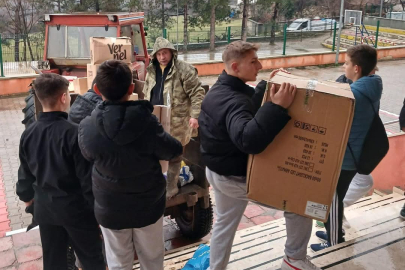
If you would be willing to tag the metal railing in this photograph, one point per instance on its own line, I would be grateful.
(19, 52)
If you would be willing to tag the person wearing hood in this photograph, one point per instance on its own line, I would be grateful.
(173, 82)
(360, 61)
(84, 105)
(125, 142)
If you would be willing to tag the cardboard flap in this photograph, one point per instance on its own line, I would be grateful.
(328, 87)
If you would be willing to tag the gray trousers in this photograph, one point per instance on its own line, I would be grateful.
(231, 201)
(148, 242)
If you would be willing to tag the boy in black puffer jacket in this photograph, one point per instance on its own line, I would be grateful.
(125, 142)
(84, 105)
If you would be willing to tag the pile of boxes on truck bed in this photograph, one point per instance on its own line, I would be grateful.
(299, 170)
(103, 49)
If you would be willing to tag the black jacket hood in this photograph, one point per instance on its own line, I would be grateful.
(122, 122)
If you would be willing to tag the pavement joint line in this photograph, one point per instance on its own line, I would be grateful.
(389, 113)
(23, 230)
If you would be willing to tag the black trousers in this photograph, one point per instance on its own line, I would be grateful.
(334, 224)
(84, 239)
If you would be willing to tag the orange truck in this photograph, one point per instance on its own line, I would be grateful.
(67, 38)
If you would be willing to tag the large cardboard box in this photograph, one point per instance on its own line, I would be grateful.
(80, 86)
(163, 115)
(108, 48)
(298, 171)
(91, 73)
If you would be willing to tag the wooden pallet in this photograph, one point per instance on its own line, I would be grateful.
(380, 250)
(262, 246)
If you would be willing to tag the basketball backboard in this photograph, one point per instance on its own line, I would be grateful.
(353, 17)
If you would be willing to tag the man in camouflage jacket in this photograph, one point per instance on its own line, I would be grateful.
(173, 82)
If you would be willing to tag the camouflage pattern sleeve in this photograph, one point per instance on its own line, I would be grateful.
(193, 89)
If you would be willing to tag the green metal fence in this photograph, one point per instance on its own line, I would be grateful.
(19, 52)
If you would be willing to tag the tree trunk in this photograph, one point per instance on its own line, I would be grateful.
(273, 24)
(402, 4)
(26, 34)
(25, 47)
(212, 28)
(244, 19)
(97, 6)
(16, 47)
(17, 34)
(185, 37)
(163, 16)
(30, 49)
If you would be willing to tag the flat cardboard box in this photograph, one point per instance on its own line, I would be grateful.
(133, 97)
(80, 86)
(299, 170)
(91, 73)
(156, 112)
(165, 118)
(163, 115)
(109, 48)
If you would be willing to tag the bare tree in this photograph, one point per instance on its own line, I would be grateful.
(402, 4)
(210, 12)
(212, 25)
(245, 19)
(185, 32)
(22, 16)
(274, 23)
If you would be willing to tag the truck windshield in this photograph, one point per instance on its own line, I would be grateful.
(295, 25)
(74, 41)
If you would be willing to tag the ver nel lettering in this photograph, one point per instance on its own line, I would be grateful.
(116, 51)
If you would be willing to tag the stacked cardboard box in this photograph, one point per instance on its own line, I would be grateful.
(299, 170)
(107, 48)
(163, 115)
(80, 85)
(91, 73)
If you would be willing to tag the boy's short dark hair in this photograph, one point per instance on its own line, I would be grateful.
(49, 87)
(113, 79)
(363, 56)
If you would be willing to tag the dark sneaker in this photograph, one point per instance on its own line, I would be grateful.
(323, 236)
(319, 247)
(402, 213)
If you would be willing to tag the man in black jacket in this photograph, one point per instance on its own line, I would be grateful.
(54, 173)
(125, 141)
(232, 126)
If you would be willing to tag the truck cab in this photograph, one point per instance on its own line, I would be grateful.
(67, 40)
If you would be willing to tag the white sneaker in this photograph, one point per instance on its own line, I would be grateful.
(345, 223)
(304, 264)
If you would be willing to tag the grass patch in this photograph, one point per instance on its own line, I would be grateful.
(197, 35)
